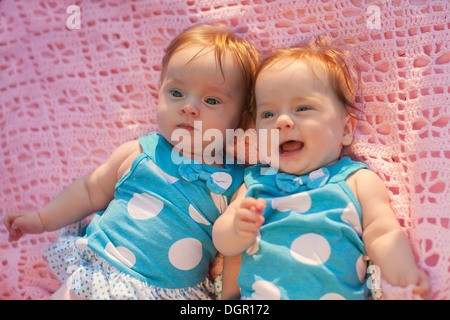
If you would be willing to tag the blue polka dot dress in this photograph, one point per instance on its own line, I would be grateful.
(154, 239)
(309, 246)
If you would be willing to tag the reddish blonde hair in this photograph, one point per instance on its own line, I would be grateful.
(223, 41)
(342, 67)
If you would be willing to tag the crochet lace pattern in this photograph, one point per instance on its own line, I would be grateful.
(69, 95)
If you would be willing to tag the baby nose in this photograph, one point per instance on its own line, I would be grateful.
(190, 109)
(284, 122)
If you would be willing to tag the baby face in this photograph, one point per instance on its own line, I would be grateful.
(196, 96)
(313, 125)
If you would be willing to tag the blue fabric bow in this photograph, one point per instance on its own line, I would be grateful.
(217, 182)
(291, 183)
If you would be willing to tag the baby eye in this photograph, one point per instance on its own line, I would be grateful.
(212, 101)
(302, 108)
(267, 114)
(176, 93)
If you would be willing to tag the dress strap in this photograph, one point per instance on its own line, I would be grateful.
(151, 141)
(343, 168)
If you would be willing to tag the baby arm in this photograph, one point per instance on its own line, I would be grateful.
(230, 288)
(385, 242)
(84, 196)
(236, 229)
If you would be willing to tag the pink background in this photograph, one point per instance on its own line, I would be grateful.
(70, 97)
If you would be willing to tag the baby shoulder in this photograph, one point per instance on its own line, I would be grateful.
(367, 185)
(123, 157)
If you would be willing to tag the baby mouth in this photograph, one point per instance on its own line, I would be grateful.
(290, 146)
(185, 126)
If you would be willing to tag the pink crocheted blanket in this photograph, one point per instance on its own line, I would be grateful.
(72, 92)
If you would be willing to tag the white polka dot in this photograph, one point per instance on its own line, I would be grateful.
(299, 202)
(361, 268)
(81, 243)
(222, 179)
(168, 177)
(120, 254)
(255, 246)
(220, 201)
(332, 296)
(265, 290)
(311, 249)
(144, 206)
(185, 254)
(351, 216)
(197, 216)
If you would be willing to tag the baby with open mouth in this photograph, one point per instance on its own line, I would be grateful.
(307, 230)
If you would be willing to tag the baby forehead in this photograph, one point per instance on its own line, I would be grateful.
(292, 73)
(205, 55)
(286, 65)
(194, 67)
(204, 59)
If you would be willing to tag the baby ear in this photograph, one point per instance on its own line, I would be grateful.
(349, 129)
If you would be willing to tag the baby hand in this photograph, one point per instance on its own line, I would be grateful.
(419, 279)
(248, 217)
(21, 223)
